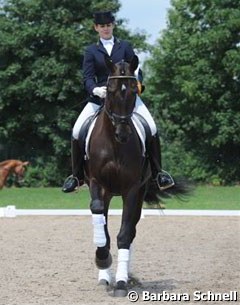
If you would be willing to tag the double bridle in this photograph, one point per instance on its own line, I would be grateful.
(114, 117)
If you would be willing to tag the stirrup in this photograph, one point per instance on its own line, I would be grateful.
(162, 188)
(75, 178)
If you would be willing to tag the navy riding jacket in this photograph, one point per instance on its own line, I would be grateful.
(95, 71)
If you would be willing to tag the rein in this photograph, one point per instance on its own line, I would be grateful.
(116, 117)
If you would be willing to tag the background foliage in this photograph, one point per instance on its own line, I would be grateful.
(42, 43)
(194, 87)
(192, 84)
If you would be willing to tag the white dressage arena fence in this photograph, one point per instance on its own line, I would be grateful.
(11, 212)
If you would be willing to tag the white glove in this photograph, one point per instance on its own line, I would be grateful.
(100, 91)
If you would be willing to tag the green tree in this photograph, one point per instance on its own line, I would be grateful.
(42, 43)
(194, 86)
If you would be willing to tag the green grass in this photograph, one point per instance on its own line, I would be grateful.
(204, 197)
(210, 198)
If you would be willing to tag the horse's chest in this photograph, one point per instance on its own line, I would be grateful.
(120, 167)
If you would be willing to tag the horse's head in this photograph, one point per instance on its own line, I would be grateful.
(121, 96)
(19, 171)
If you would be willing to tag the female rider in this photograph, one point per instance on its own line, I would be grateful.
(95, 74)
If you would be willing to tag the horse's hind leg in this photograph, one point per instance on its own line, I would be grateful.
(99, 207)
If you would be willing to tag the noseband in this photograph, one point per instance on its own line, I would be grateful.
(121, 76)
(114, 117)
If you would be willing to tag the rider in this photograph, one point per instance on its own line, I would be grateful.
(95, 74)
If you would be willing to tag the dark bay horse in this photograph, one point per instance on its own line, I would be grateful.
(116, 166)
(9, 167)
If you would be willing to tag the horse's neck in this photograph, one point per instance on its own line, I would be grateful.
(10, 164)
(103, 129)
(3, 163)
(104, 122)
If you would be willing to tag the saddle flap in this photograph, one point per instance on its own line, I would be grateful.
(89, 132)
(140, 131)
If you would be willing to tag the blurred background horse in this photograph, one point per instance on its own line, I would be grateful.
(15, 167)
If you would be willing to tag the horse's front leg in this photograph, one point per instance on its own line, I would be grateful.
(99, 208)
(132, 206)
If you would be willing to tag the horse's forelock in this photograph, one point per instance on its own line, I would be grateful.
(122, 69)
(126, 68)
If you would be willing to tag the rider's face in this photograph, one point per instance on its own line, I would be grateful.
(105, 31)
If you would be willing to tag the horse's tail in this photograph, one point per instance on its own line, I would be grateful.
(181, 190)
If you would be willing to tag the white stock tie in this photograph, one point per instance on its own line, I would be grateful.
(108, 45)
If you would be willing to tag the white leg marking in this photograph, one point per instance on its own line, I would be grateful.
(99, 236)
(105, 274)
(122, 267)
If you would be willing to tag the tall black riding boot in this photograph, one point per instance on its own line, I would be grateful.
(77, 177)
(163, 178)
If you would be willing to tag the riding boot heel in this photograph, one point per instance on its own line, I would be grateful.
(77, 178)
(163, 179)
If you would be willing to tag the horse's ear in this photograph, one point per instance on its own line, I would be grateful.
(111, 66)
(134, 63)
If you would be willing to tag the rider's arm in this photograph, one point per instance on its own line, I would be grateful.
(89, 71)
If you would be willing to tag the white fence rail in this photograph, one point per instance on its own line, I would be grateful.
(11, 211)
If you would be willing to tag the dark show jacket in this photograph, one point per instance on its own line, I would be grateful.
(95, 71)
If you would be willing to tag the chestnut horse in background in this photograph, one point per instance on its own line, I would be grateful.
(9, 167)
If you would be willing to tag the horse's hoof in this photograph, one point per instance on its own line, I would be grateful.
(104, 263)
(120, 291)
(103, 283)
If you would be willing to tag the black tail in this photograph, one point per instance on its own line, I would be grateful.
(181, 190)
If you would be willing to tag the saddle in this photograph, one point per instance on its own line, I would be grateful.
(139, 122)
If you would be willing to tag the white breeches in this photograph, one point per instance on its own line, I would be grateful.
(91, 108)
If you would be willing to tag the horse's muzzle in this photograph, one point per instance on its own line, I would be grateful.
(122, 133)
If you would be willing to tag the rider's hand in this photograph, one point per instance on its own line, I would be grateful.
(100, 91)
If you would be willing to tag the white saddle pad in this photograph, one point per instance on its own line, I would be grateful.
(138, 126)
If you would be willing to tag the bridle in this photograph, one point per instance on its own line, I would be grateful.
(120, 76)
(114, 117)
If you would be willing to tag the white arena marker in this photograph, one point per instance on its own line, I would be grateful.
(10, 211)
(2, 214)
